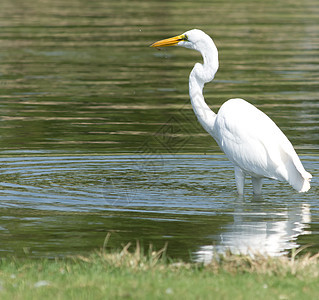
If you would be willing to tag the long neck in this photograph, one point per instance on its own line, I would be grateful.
(201, 74)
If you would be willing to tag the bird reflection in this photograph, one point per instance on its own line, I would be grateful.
(259, 228)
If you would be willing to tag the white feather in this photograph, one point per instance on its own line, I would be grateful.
(253, 142)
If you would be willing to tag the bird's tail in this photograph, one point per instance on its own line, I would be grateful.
(305, 185)
(293, 170)
(298, 177)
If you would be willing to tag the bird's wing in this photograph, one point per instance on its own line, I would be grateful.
(252, 141)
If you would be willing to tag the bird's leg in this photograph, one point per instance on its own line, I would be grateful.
(257, 185)
(240, 180)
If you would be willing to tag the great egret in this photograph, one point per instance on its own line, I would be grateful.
(248, 137)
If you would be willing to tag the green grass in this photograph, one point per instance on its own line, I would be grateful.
(133, 275)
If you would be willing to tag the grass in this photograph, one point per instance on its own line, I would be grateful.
(133, 275)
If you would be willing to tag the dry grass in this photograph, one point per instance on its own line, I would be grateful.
(296, 264)
(261, 264)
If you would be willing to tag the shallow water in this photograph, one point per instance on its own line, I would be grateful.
(97, 134)
(58, 205)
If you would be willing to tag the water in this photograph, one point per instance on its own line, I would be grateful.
(97, 134)
(58, 205)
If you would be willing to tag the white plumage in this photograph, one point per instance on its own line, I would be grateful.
(247, 136)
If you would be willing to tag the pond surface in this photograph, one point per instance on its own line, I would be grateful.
(97, 134)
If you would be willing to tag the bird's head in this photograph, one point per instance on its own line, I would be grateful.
(200, 41)
(192, 39)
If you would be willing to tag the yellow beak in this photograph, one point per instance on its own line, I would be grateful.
(169, 42)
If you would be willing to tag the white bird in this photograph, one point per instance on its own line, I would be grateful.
(247, 136)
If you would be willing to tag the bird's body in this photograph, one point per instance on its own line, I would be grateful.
(248, 137)
(255, 145)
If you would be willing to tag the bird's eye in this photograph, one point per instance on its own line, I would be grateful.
(185, 37)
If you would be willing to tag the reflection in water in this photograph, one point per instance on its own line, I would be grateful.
(59, 205)
(259, 229)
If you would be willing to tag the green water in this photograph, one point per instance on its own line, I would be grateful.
(97, 133)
